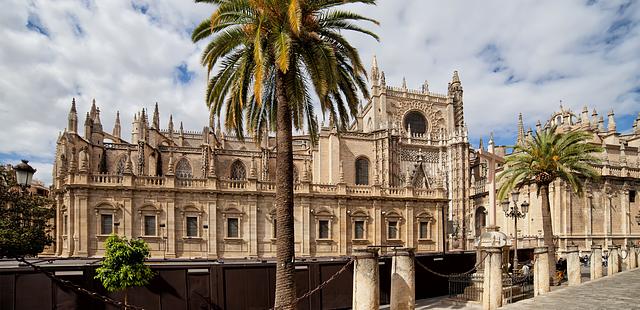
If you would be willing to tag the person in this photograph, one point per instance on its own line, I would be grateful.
(525, 269)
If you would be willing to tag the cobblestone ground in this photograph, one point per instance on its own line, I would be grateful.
(620, 291)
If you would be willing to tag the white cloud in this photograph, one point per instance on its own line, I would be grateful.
(125, 54)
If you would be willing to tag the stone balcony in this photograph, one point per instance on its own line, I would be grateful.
(249, 186)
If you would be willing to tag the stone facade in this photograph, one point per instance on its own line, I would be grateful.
(608, 212)
(393, 178)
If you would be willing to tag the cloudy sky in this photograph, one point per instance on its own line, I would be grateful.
(513, 56)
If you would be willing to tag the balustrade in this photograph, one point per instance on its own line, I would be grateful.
(106, 179)
(262, 186)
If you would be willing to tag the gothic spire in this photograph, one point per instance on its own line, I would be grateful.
(456, 78)
(156, 117)
(88, 125)
(93, 109)
(491, 143)
(520, 139)
(481, 144)
(374, 70)
(73, 117)
(116, 126)
(404, 83)
(170, 127)
(611, 124)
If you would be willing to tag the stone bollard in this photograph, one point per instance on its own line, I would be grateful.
(366, 291)
(573, 265)
(541, 271)
(613, 262)
(403, 283)
(492, 285)
(595, 268)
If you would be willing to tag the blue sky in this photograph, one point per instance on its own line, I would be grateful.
(523, 56)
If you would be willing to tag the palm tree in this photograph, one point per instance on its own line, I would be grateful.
(271, 58)
(540, 160)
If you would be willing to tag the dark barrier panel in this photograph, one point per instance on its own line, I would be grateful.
(34, 291)
(337, 294)
(220, 286)
(430, 285)
(249, 287)
(7, 292)
(199, 291)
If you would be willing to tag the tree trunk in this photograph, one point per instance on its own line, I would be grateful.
(547, 229)
(285, 271)
(126, 299)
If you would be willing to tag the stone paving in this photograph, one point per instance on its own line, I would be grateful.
(620, 291)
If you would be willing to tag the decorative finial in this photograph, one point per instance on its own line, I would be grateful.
(456, 78)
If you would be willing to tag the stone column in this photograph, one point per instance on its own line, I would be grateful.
(403, 284)
(366, 291)
(613, 264)
(492, 286)
(573, 265)
(633, 258)
(541, 271)
(595, 269)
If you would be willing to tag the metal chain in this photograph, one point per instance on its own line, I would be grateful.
(78, 288)
(321, 286)
(453, 274)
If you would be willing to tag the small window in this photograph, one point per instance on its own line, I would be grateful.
(362, 171)
(106, 224)
(358, 230)
(149, 225)
(632, 196)
(232, 228)
(323, 229)
(192, 226)
(424, 230)
(393, 230)
(238, 171)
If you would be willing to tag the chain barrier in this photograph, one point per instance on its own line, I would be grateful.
(453, 274)
(73, 286)
(321, 286)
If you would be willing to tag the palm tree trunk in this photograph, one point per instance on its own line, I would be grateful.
(285, 271)
(547, 229)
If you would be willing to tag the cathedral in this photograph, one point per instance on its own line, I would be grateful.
(606, 214)
(396, 177)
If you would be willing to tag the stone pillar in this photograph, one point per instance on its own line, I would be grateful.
(633, 258)
(573, 265)
(614, 260)
(595, 269)
(541, 271)
(366, 291)
(492, 286)
(403, 284)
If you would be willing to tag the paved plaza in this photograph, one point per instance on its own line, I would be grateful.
(620, 291)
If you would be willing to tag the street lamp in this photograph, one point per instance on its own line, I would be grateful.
(515, 213)
(24, 173)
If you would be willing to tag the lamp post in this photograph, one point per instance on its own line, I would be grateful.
(24, 174)
(515, 213)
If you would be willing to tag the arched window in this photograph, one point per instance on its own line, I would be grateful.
(417, 122)
(238, 172)
(362, 171)
(122, 163)
(183, 169)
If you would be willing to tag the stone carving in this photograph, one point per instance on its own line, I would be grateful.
(413, 155)
(435, 118)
